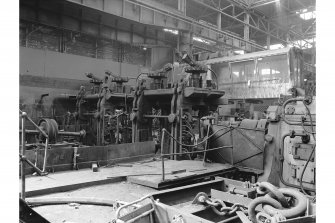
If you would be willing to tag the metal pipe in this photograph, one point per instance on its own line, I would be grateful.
(65, 133)
(80, 133)
(23, 151)
(45, 154)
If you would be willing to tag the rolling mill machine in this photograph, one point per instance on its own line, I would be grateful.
(177, 99)
(103, 110)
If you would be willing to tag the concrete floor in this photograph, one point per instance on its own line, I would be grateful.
(123, 191)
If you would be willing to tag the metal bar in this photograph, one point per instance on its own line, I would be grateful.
(117, 130)
(141, 216)
(180, 148)
(45, 154)
(155, 116)
(162, 146)
(23, 151)
(261, 4)
(221, 147)
(23, 158)
(229, 219)
(249, 139)
(204, 159)
(37, 127)
(117, 214)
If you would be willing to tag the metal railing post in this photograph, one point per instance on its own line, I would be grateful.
(45, 153)
(23, 151)
(204, 159)
(162, 157)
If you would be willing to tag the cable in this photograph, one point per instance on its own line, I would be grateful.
(194, 144)
(304, 127)
(310, 156)
(216, 78)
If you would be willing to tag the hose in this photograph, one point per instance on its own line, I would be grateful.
(295, 211)
(260, 200)
(265, 187)
(66, 200)
(310, 156)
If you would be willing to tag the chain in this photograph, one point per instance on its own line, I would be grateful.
(224, 210)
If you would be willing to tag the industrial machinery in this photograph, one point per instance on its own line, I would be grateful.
(176, 99)
(103, 111)
(275, 182)
(221, 200)
(254, 81)
(279, 149)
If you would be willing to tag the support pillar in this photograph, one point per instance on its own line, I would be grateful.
(186, 42)
(182, 6)
(218, 20)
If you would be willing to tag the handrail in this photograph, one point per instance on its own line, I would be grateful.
(34, 124)
(170, 154)
(23, 158)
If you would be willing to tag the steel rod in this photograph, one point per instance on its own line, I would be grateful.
(23, 151)
(221, 147)
(45, 154)
(37, 127)
(162, 146)
(141, 215)
(229, 219)
(180, 147)
(23, 158)
(204, 159)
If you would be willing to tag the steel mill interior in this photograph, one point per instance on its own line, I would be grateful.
(167, 111)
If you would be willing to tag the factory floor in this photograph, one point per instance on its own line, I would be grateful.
(110, 182)
(122, 191)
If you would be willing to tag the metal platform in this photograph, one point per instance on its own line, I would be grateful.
(179, 173)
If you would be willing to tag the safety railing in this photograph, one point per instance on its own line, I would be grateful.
(23, 158)
(195, 145)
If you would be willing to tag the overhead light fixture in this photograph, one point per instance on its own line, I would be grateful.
(175, 32)
(144, 48)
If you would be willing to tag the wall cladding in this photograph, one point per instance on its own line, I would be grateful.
(43, 37)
